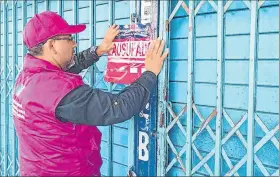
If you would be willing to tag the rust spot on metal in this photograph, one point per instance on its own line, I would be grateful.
(185, 7)
(166, 25)
(161, 121)
(165, 94)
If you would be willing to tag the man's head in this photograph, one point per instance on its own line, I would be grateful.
(48, 36)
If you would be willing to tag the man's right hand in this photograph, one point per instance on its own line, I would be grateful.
(154, 57)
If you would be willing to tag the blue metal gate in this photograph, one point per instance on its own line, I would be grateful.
(222, 107)
(96, 15)
(216, 109)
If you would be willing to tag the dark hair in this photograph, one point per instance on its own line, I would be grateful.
(36, 50)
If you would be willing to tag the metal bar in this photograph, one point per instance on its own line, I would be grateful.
(252, 87)
(60, 7)
(176, 120)
(75, 17)
(110, 145)
(276, 173)
(247, 3)
(110, 142)
(177, 156)
(47, 4)
(6, 103)
(203, 161)
(213, 4)
(92, 39)
(14, 59)
(131, 127)
(237, 131)
(24, 50)
(35, 9)
(264, 128)
(261, 166)
(24, 21)
(162, 92)
(227, 159)
(185, 7)
(1, 76)
(211, 133)
(175, 10)
(266, 138)
(237, 166)
(260, 3)
(206, 121)
(190, 90)
(234, 129)
(220, 75)
(227, 5)
(207, 168)
(199, 6)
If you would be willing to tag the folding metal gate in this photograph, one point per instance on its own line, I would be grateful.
(222, 104)
(217, 107)
(96, 15)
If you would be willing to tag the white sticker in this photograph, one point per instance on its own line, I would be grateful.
(133, 70)
(143, 143)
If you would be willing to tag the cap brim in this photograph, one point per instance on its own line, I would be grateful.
(73, 29)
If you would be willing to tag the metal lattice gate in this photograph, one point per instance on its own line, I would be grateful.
(14, 15)
(208, 132)
(217, 93)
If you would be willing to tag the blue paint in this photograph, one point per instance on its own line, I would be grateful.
(179, 26)
(252, 88)
(82, 4)
(191, 46)
(235, 96)
(237, 5)
(181, 11)
(83, 18)
(267, 99)
(206, 8)
(53, 6)
(68, 5)
(243, 19)
(95, 14)
(101, 10)
(205, 94)
(178, 49)
(206, 48)
(268, 73)
(205, 71)
(120, 11)
(237, 47)
(236, 72)
(4, 98)
(148, 126)
(175, 68)
(178, 92)
(268, 46)
(268, 19)
(208, 22)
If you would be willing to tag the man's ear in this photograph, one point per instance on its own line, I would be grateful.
(50, 46)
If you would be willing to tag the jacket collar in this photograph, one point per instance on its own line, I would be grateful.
(32, 63)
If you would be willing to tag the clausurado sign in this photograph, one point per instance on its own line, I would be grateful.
(126, 61)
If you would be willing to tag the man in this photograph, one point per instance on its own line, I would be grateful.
(55, 113)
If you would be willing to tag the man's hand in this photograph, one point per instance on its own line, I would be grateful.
(107, 43)
(154, 57)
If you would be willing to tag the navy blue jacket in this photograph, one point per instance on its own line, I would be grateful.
(83, 104)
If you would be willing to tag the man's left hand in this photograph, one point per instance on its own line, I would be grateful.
(107, 44)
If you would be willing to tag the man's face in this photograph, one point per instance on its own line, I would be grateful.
(63, 49)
